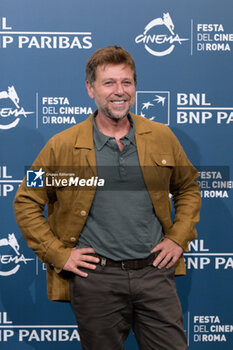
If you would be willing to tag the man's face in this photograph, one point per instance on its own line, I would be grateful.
(113, 90)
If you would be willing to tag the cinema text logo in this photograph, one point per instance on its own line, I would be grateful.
(57, 110)
(10, 263)
(9, 332)
(153, 105)
(11, 113)
(200, 258)
(7, 183)
(209, 328)
(194, 108)
(159, 38)
(214, 181)
(42, 40)
(212, 37)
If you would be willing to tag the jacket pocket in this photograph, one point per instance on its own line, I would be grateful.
(158, 175)
(163, 160)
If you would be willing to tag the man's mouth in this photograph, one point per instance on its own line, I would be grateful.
(119, 102)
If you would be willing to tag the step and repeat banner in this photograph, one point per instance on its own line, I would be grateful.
(184, 56)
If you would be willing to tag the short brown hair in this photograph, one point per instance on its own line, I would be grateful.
(109, 55)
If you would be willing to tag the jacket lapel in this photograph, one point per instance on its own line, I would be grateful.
(142, 136)
(85, 142)
(142, 130)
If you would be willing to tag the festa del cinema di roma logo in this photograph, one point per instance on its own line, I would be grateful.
(159, 37)
(10, 263)
(10, 110)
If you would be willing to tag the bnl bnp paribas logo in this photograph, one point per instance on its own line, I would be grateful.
(11, 112)
(153, 105)
(159, 36)
(10, 256)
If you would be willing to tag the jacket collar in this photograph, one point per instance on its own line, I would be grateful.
(141, 125)
(84, 137)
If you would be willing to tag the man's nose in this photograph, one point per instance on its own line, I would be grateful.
(119, 89)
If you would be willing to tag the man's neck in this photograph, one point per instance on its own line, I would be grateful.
(113, 128)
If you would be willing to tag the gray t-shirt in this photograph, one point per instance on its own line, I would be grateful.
(122, 223)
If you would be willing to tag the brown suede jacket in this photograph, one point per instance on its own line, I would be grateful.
(165, 168)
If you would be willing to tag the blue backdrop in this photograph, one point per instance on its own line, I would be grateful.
(183, 51)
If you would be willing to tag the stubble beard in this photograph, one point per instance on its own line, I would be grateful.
(110, 115)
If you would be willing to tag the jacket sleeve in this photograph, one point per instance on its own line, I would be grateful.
(186, 198)
(29, 205)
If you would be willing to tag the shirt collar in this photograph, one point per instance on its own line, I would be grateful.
(100, 139)
(131, 132)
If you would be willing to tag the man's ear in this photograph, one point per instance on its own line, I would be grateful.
(89, 89)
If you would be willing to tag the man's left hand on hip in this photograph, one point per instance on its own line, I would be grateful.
(169, 253)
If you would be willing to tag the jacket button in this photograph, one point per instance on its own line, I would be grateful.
(83, 212)
(73, 239)
(164, 161)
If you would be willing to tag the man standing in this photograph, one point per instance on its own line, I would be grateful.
(120, 244)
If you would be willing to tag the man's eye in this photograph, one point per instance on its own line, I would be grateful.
(108, 83)
(127, 83)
